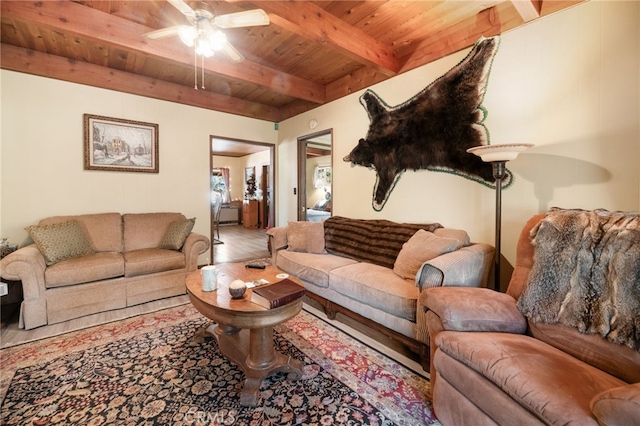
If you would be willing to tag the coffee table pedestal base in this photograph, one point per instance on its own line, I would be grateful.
(252, 350)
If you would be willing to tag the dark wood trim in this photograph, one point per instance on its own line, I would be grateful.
(302, 156)
(331, 309)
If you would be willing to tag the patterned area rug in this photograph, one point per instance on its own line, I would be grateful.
(161, 369)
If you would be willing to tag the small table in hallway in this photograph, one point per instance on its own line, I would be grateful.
(244, 330)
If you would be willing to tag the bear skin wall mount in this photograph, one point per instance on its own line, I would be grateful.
(433, 129)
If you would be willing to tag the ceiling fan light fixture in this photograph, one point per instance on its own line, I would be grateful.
(188, 34)
(217, 40)
(204, 34)
(203, 47)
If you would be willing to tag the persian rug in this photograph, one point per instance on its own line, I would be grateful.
(160, 368)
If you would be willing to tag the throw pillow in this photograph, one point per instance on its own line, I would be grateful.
(376, 241)
(321, 205)
(307, 237)
(60, 241)
(457, 234)
(177, 233)
(422, 246)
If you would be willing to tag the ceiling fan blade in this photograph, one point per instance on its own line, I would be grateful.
(232, 52)
(248, 18)
(183, 7)
(163, 32)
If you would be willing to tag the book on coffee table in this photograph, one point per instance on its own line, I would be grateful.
(277, 294)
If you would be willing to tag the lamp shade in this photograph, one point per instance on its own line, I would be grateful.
(505, 152)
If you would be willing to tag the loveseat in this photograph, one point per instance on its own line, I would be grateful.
(374, 270)
(85, 264)
(561, 346)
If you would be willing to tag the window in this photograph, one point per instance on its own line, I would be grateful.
(217, 182)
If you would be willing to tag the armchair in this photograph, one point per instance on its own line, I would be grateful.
(490, 364)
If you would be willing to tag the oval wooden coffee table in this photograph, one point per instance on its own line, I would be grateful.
(244, 330)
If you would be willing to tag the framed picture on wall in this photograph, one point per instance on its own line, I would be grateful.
(322, 176)
(119, 145)
(250, 181)
(248, 171)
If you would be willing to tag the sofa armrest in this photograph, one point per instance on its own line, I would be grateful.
(278, 237)
(194, 246)
(467, 309)
(617, 406)
(474, 309)
(466, 267)
(277, 241)
(27, 265)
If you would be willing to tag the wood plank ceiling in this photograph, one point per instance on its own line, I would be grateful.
(310, 54)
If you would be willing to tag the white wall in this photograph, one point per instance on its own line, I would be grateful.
(42, 154)
(568, 83)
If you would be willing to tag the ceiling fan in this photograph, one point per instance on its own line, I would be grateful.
(204, 33)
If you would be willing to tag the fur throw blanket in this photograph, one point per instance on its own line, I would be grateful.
(586, 273)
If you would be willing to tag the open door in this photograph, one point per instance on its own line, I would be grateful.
(315, 176)
(229, 154)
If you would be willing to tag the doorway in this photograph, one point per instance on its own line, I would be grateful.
(229, 161)
(315, 176)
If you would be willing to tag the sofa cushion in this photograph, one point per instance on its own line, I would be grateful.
(60, 241)
(372, 241)
(422, 246)
(177, 233)
(306, 237)
(617, 360)
(457, 234)
(377, 287)
(148, 261)
(311, 267)
(92, 267)
(537, 376)
(474, 309)
(146, 230)
(103, 229)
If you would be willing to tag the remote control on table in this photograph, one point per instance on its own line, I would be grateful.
(255, 265)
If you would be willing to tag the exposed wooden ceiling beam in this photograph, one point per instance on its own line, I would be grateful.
(490, 22)
(82, 21)
(527, 9)
(317, 152)
(52, 66)
(312, 22)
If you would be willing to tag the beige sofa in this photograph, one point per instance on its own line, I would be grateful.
(494, 365)
(84, 264)
(374, 270)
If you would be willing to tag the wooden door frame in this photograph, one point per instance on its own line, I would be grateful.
(303, 141)
(272, 181)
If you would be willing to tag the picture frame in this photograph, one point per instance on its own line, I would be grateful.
(120, 145)
(248, 171)
(322, 176)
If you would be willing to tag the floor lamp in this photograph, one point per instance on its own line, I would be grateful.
(498, 155)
